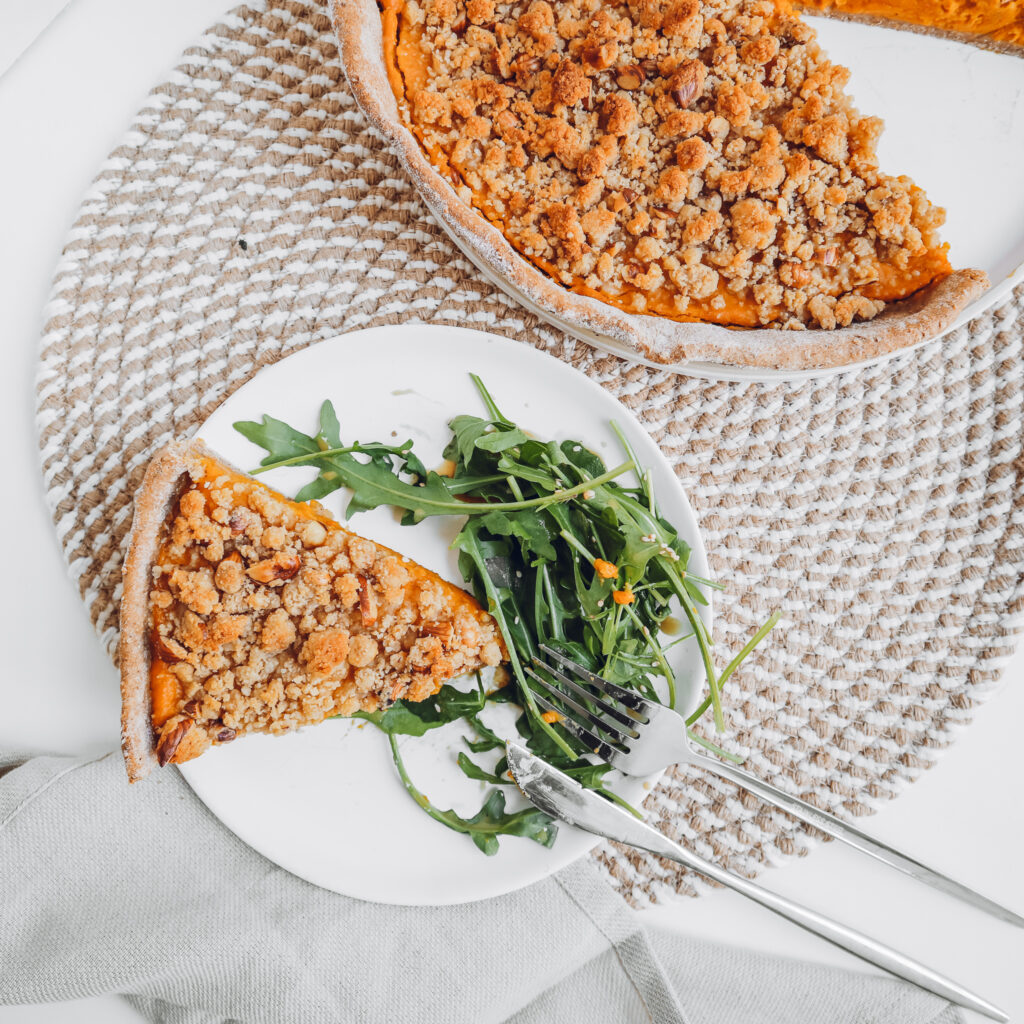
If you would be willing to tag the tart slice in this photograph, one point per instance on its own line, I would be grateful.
(246, 612)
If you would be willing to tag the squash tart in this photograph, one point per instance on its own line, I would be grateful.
(246, 612)
(668, 166)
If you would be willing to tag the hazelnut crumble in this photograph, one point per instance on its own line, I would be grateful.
(265, 615)
(692, 159)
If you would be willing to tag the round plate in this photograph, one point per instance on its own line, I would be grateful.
(953, 122)
(325, 802)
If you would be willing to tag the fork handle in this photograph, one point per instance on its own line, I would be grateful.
(852, 941)
(853, 836)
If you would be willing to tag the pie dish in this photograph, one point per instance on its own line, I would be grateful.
(773, 271)
(243, 612)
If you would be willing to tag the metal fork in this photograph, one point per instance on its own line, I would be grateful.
(639, 737)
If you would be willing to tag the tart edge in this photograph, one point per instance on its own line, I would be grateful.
(160, 488)
(922, 316)
(970, 39)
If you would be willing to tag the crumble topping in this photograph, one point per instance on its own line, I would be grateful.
(697, 159)
(267, 615)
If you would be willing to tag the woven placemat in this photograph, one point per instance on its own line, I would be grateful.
(250, 212)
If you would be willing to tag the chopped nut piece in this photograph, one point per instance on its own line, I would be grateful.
(367, 601)
(170, 740)
(275, 570)
(442, 630)
(630, 78)
(688, 82)
(618, 115)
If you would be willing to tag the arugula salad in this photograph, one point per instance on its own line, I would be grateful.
(560, 549)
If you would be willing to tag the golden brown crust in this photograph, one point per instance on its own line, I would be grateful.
(161, 485)
(923, 316)
(658, 339)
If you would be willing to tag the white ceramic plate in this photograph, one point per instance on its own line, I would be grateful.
(325, 803)
(954, 122)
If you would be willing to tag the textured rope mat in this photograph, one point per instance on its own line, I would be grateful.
(881, 510)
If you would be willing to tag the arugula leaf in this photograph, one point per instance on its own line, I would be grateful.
(408, 718)
(491, 821)
(280, 440)
(529, 526)
(473, 771)
(539, 742)
(492, 408)
(524, 471)
(588, 775)
(466, 431)
(330, 428)
(377, 482)
(501, 440)
(489, 740)
(512, 626)
(319, 487)
(373, 485)
(582, 458)
(638, 550)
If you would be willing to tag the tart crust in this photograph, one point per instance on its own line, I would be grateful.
(924, 315)
(163, 483)
(327, 663)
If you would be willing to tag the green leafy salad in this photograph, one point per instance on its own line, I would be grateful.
(560, 549)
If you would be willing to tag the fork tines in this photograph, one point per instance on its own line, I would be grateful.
(630, 698)
(596, 722)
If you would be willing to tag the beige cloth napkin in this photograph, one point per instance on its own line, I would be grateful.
(106, 888)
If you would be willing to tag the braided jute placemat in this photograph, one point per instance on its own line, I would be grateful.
(249, 212)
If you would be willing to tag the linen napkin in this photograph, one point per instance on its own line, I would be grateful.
(106, 888)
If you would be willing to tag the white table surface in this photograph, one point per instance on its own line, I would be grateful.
(64, 103)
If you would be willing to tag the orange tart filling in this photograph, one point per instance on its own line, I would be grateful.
(1001, 21)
